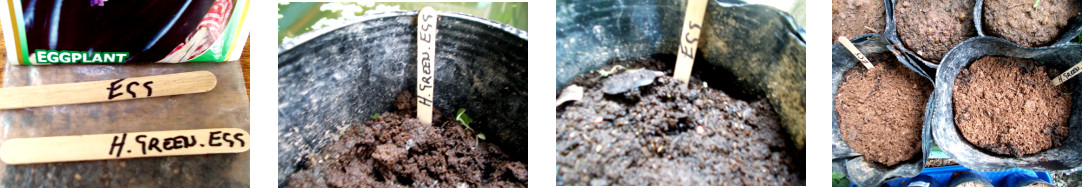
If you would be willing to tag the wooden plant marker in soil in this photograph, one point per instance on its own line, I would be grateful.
(689, 40)
(426, 56)
(107, 90)
(1073, 71)
(856, 52)
(124, 145)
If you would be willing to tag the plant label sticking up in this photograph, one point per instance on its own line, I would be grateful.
(1073, 71)
(124, 145)
(856, 52)
(426, 60)
(107, 90)
(689, 40)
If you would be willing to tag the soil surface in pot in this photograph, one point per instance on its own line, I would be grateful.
(664, 134)
(395, 149)
(1022, 23)
(930, 28)
(852, 18)
(881, 111)
(1009, 106)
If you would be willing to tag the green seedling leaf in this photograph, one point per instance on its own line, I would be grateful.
(481, 136)
(1036, 3)
(375, 116)
(839, 180)
(463, 119)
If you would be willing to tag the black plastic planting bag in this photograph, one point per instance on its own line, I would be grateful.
(760, 45)
(331, 79)
(846, 160)
(1061, 57)
(1073, 28)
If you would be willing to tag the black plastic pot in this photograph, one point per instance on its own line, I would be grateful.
(332, 79)
(1072, 31)
(1061, 57)
(761, 46)
(846, 160)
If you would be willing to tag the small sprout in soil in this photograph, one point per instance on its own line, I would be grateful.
(481, 136)
(463, 119)
(375, 116)
(839, 180)
(606, 73)
(1036, 3)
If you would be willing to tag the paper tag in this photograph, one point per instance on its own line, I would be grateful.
(853, 49)
(124, 145)
(426, 60)
(689, 40)
(1073, 71)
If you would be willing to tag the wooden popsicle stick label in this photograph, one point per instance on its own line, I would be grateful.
(426, 59)
(689, 40)
(1073, 71)
(107, 90)
(124, 145)
(856, 52)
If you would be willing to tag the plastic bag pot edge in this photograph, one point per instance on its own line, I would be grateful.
(300, 39)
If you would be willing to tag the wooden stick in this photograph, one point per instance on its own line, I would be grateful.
(124, 145)
(107, 90)
(426, 60)
(1073, 71)
(853, 49)
(689, 40)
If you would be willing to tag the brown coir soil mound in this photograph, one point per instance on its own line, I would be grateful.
(664, 134)
(930, 28)
(1009, 106)
(1019, 22)
(881, 112)
(397, 150)
(852, 18)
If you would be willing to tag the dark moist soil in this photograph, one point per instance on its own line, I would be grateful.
(852, 18)
(663, 134)
(397, 150)
(930, 28)
(1009, 106)
(1019, 22)
(880, 112)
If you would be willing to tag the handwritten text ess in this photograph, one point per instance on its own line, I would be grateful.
(689, 40)
(124, 145)
(426, 56)
(107, 90)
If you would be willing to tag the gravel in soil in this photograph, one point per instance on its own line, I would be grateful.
(1022, 23)
(930, 28)
(664, 134)
(1009, 106)
(852, 18)
(395, 149)
(881, 111)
